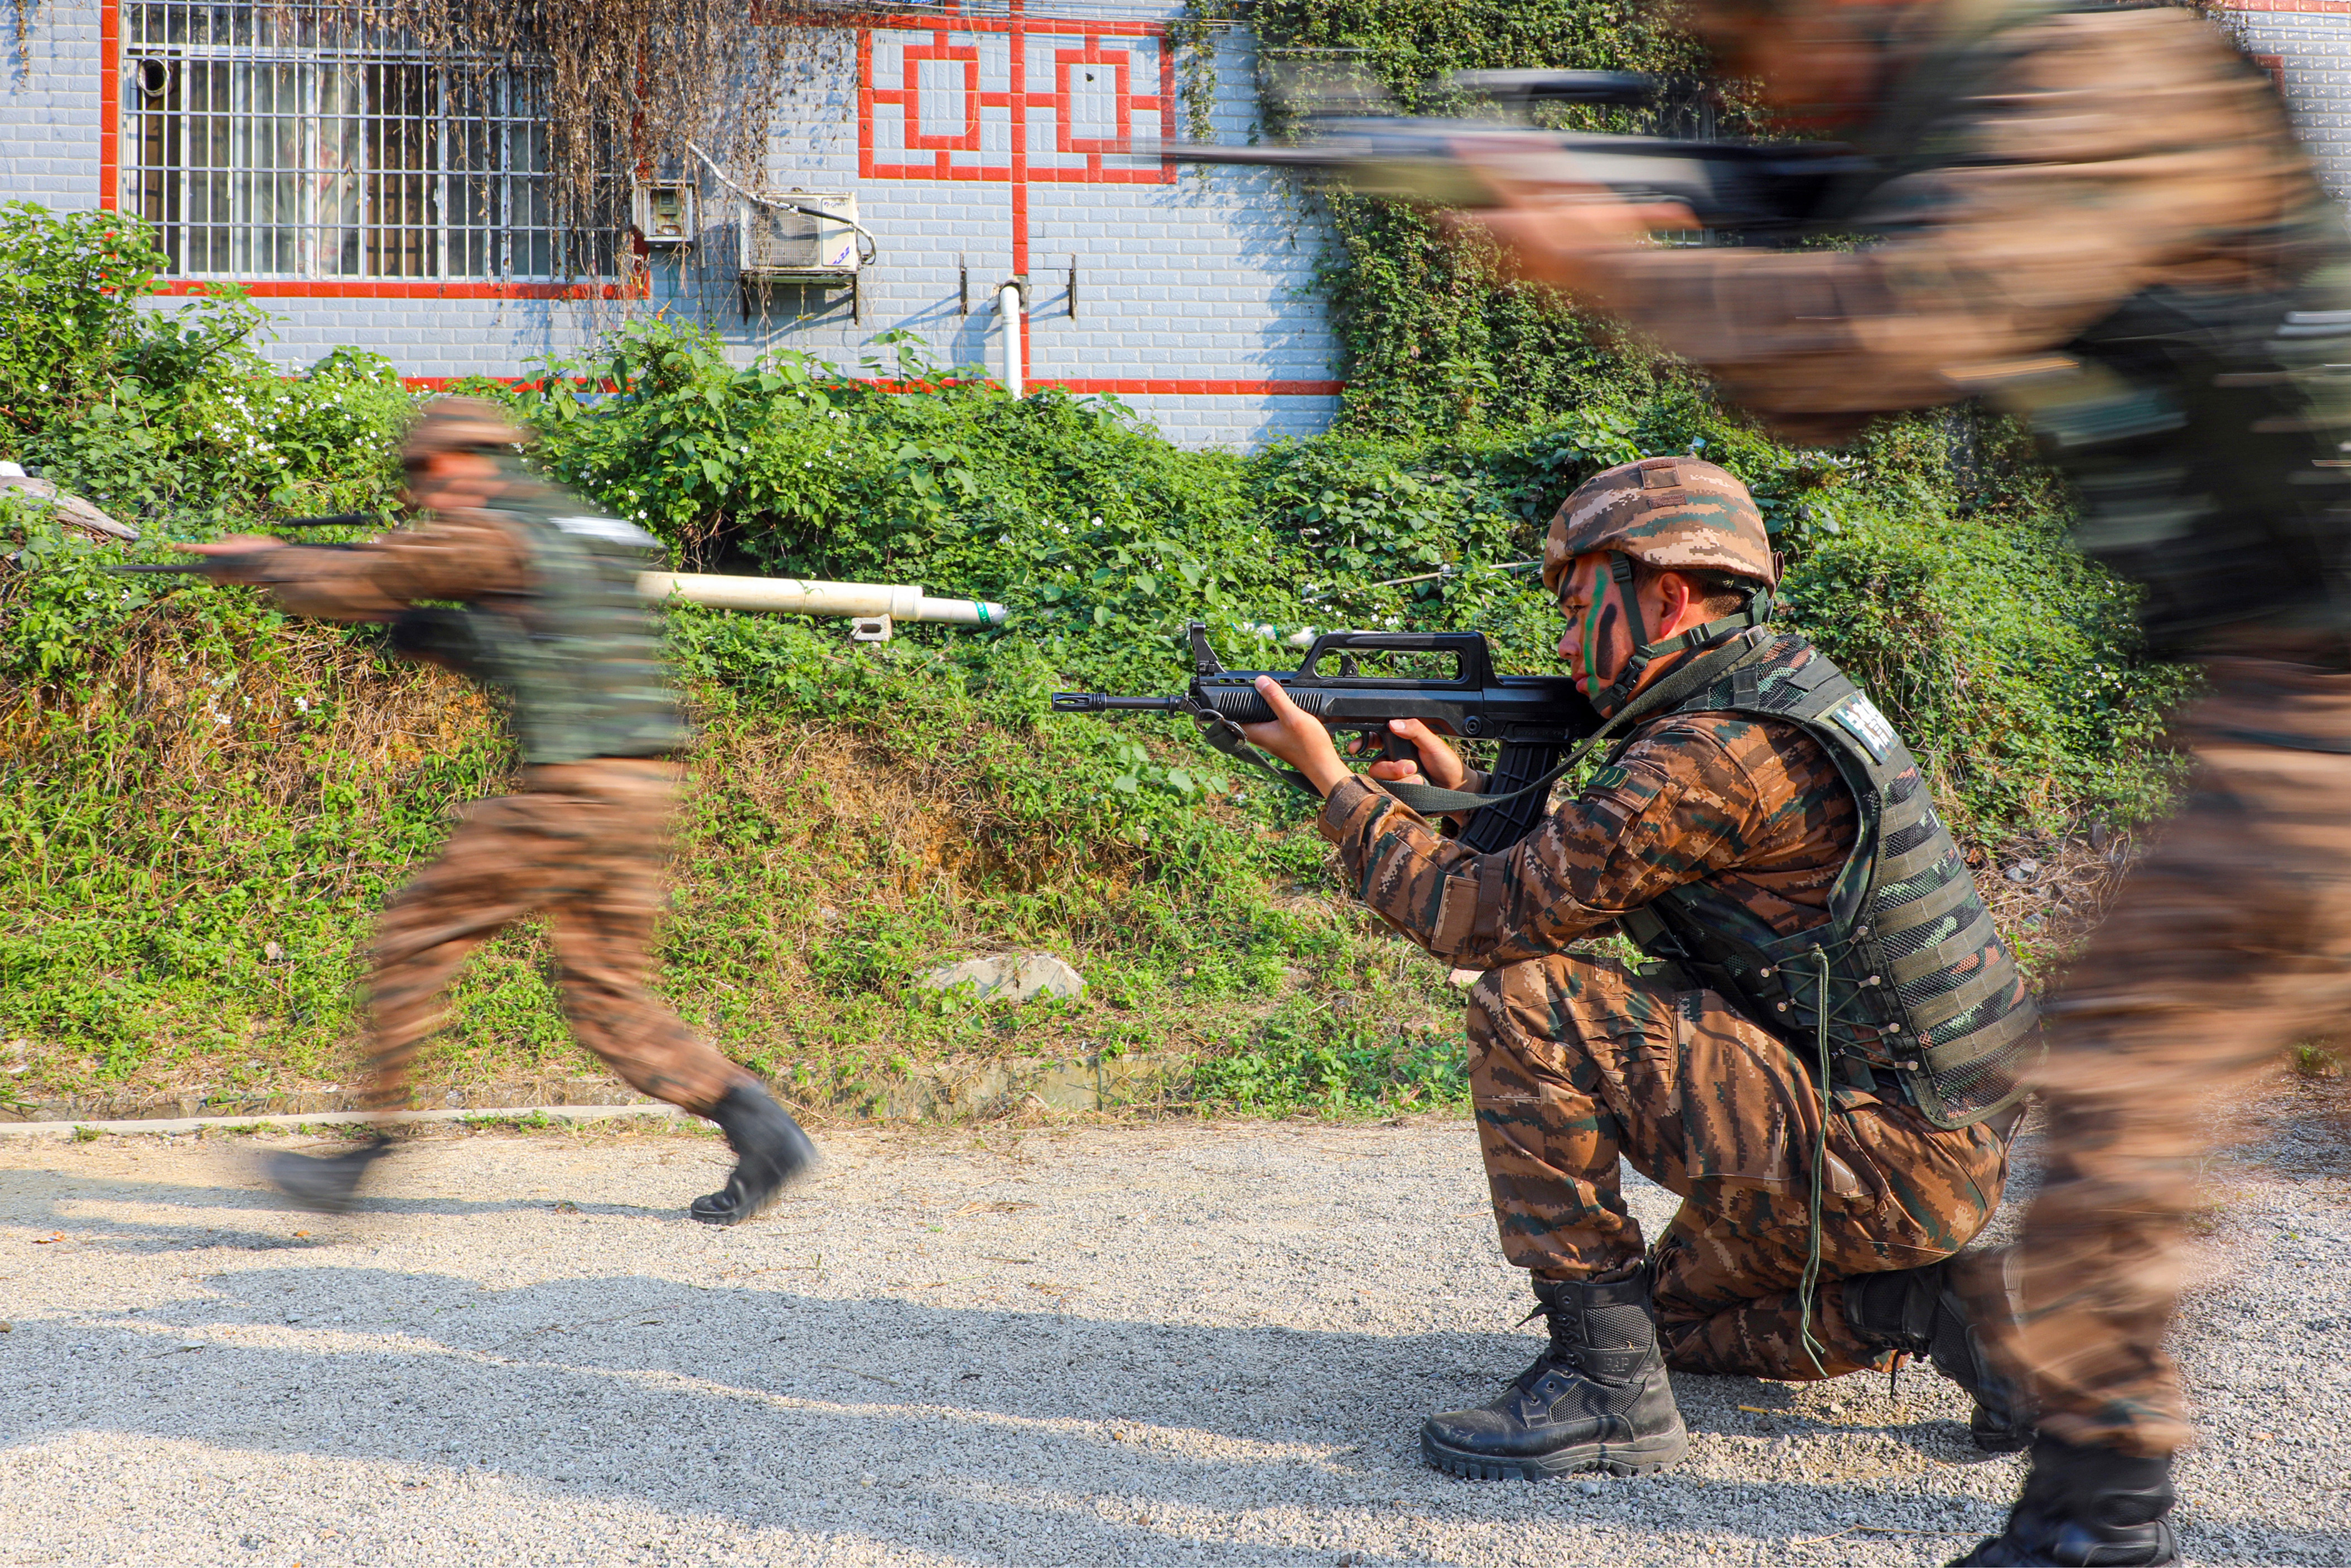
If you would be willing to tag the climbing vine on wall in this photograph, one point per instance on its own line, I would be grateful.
(625, 87)
(1433, 337)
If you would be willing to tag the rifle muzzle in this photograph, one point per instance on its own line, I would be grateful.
(1104, 703)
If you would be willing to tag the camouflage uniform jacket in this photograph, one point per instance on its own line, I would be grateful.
(1755, 806)
(557, 624)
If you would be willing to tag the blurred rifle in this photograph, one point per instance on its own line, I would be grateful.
(1761, 189)
(204, 562)
(1535, 718)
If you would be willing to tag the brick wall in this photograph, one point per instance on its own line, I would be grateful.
(48, 106)
(2308, 44)
(1192, 301)
(1192, 298)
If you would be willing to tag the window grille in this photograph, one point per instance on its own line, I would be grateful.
(286, 138)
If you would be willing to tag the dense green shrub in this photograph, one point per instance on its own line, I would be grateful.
(172, 419)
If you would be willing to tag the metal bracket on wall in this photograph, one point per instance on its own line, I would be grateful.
(1070, 299)
(752, 292)
(963, 286)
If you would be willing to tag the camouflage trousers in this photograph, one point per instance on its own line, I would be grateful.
(2228, 942)
(1577, 1061)
(585, 845)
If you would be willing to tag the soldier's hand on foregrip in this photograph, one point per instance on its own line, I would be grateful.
(1297, 738)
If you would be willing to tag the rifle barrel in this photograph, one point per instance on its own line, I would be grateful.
(1104, 702)
(124, 570)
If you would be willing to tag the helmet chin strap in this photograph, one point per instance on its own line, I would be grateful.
(1758, 610)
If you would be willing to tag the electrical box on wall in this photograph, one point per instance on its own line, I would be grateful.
(665, 215)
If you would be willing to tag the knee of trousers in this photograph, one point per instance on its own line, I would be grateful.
(1553, 1002)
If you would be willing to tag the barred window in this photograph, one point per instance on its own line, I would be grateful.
(284, 139)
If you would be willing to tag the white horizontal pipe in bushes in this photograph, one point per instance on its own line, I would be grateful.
(791, 596)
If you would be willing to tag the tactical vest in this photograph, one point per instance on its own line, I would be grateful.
(2201, 429)
(580, 658)
(1915, 983)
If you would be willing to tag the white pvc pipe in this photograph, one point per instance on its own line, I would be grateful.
(899, 601)
(1007, 305)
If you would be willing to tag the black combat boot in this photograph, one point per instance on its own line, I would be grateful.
(1920, 1311)
(1597, 1399)
(770, 1151)
(326, 1183)
(2085, 1508)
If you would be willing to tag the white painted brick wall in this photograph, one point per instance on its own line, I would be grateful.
(2313, 50)
(48, 106)
(1205, 279)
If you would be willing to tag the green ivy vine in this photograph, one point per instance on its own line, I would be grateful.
(1433, 337)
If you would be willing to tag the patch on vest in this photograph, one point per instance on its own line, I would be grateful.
(1862, 720)
(612, 530)
(1608, 778)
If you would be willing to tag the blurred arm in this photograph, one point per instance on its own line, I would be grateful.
(2113, 150)
(445, 560)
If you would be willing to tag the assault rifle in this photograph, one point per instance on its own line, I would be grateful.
(1763, 189)
(1534, 717)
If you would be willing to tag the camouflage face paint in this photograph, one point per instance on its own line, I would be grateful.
(1608, 624)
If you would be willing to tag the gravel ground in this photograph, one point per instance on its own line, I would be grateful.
(1179, 1344)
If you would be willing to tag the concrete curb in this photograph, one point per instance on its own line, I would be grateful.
(940, 1092)
(338, 1118)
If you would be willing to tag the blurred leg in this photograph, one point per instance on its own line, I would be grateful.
(604, 928)
(494, 870)
(2229, 941)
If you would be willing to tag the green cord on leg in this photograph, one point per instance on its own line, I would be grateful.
(1813, 1347)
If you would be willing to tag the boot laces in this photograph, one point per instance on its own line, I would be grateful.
(1562, 1352)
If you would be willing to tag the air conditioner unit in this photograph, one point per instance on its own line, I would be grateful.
(805, 237)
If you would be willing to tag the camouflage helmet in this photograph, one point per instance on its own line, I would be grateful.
(1676, 514)
(461, 424)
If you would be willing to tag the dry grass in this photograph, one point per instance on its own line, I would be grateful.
(2060, 889)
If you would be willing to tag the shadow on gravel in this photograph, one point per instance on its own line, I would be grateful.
(1019, 1435)
(37, 1197)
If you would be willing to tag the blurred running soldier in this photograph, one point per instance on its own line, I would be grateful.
(1820, 1063)
(553, 619)
(2096, 217)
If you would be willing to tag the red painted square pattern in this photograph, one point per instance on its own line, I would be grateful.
(1024, 100)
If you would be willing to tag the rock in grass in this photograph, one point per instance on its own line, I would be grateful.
(1012, 977)
(71, 511)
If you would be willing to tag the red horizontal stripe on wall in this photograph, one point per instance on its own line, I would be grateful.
(379, 289)
(1112, 384)
(1198, 388)
(2318, 8)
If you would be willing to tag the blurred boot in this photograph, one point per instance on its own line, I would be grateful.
(1597, 1399)
(326, 1183)
(770, 1152)
(2085, 1508)
(1920, 1312)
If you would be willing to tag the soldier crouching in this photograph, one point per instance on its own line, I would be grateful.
(1821, 1060)
(551, 618)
